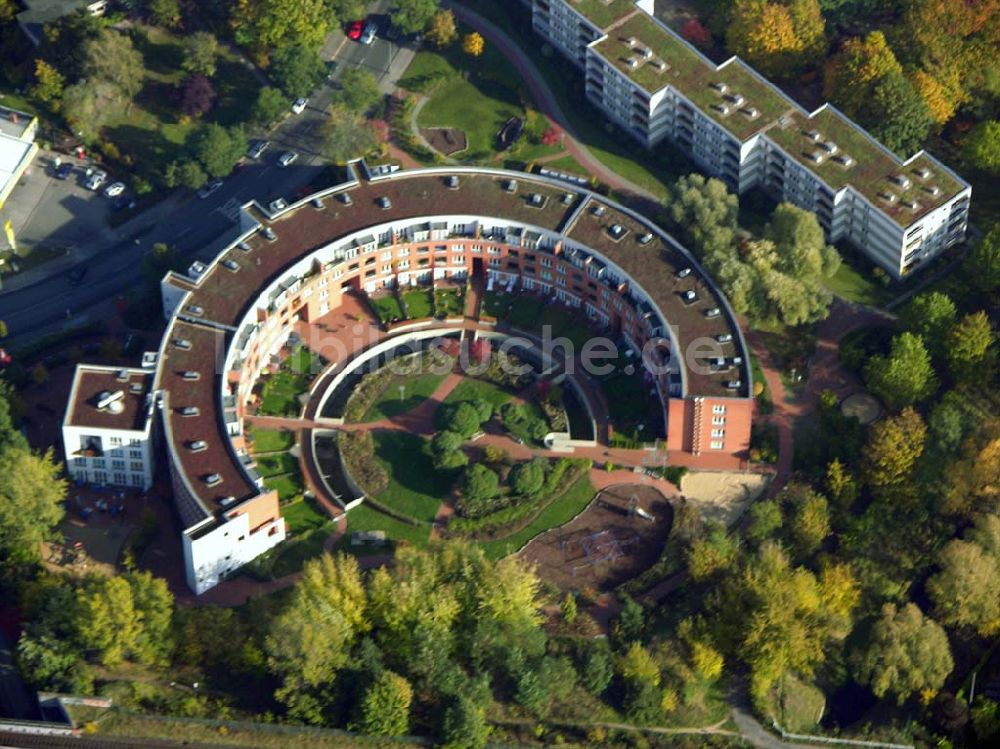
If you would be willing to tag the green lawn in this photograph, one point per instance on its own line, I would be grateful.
(288, 485)
(475, 95)
(415, 391)
(281, 390)
(276, 464)
(387, 308)
(271, 440)
(416, 488)
(857, 287)
(449, 303)
(366, 518)
(297, 551)
(419, 303)
(469, 390)
(304, 515)
(560, 512)
(631, 404)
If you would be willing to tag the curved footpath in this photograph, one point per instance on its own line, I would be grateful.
(544, 98)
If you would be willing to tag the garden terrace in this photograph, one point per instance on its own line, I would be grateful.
(873, 169)
(204, 356)
(654, 267)
(89, 383)
(224, 295)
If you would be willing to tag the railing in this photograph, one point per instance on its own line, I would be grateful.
(839, 741)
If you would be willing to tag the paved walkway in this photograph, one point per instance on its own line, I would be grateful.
(544, 97)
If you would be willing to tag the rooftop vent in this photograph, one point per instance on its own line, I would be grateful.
(738, 100)
(830, 147)
(933, 190)
(452, 182)
(632, 62)
(901, 179)
(189, 411)
(684, 273)
(231, 265)
(198, 446)
(647, 53)
(599, 210)
(318, 204)
(536, 200)
(212, 479)
(911, 204)
(245, 246)
(660, 65)
(690, 295)
(108, 401)
(816, 157)
(617, 231)
(844, 160)
(121, 375)
(888, 197)
(719, 86)
(183, 344)
(135, 387)
(269, 234)
(752, 112)
(567, 198)
(724, 338)
(149, 359)
(714, 312)
(813, 135)
(191, 375)
(631, 41)
(279, 204)
(722, 109)
(734, 384)
(510, 185)
(924, 173)
(646, 238)
(345, 198)
(196, 268)
(227, 502)
(194, 309)
(384, 203)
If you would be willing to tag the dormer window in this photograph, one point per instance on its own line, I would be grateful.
(213, 479)
(198, 446)
(182, 343)
(714, 312)
(191, 375)
(646, 238)
(189, 411)
(231, 265)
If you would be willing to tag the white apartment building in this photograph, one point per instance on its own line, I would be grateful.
(108, 427)
(739, 127)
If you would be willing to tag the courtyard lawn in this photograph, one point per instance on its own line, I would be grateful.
(276, 464)
(560, 512)
(271, 440)
(416, 488)
(367, 518)
(631, 401)
(475, 95)
(386, 308)
(419, 303)
(470, 390)
(415, 391)
(856, 287)
(525, 311)
(281, 390)
(449, 303)
(305, 515)
(296, 551)
(288, 485)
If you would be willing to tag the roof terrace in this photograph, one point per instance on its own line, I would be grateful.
(109, 398)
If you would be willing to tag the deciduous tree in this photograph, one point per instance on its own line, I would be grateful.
(359, 90)
(413, 16)
(473, 44)
(346, 136)
(49, 84)
(778, 38)
(896, 115)
(905, 376)
(31, 496)
(201, 50)
(166, 13)
(441, 30)
(967, 589)
(809, 521)
(968, 348)
(851, 75)
(297, 69)
(197, 96)
(276, 24)
(982, 264)
(385, 707)
(527, 478)
(270, 105)
(893, 447)
(982, 146)
(930, 315)
(906, 653)
(112, 57)
(218, 148)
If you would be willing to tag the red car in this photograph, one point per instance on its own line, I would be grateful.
(355, 29)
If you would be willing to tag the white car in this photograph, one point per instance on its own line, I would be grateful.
(209, 188)
(114, 189)
(287, 158)
(368, 34)
(299, 106)
(96, 179)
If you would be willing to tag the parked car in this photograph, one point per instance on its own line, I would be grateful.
(258, 148)
(64, 171)
(114, 189)
(121, 203)
(96, 179)
(368, 34)
(209, 188)
(287, 158)
(299, 106)
(355, 30)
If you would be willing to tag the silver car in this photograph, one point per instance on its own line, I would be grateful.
(287, 158)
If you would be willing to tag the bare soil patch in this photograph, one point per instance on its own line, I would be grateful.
(606, 544)
(446, 140)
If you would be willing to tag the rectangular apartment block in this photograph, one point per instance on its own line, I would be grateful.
(742, 129)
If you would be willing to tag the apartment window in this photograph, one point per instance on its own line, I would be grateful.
(79, 462)
(718, 420)
(119, 478)
(136, 479)
(118, 465)
(716, 444)
(116, 441)
(136, 465)
(100, 477)
(718, 409)
(718, 432)
(98, 462)
(403, 252)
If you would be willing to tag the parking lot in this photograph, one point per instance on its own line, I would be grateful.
(50, 213)
(384, 58)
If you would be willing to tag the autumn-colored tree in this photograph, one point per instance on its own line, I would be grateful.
(441, 30)
(941, 100)
(695, 32)
(385, 707)
(973, 486)
(49, 84)
(778, 38)
(967, 589)
(473, 44)
(968, 347)
(893, 447)
(840, 484)
(982, 147)
(851, 76)
(809, 521)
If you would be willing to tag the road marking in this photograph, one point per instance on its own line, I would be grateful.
(230, 209)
